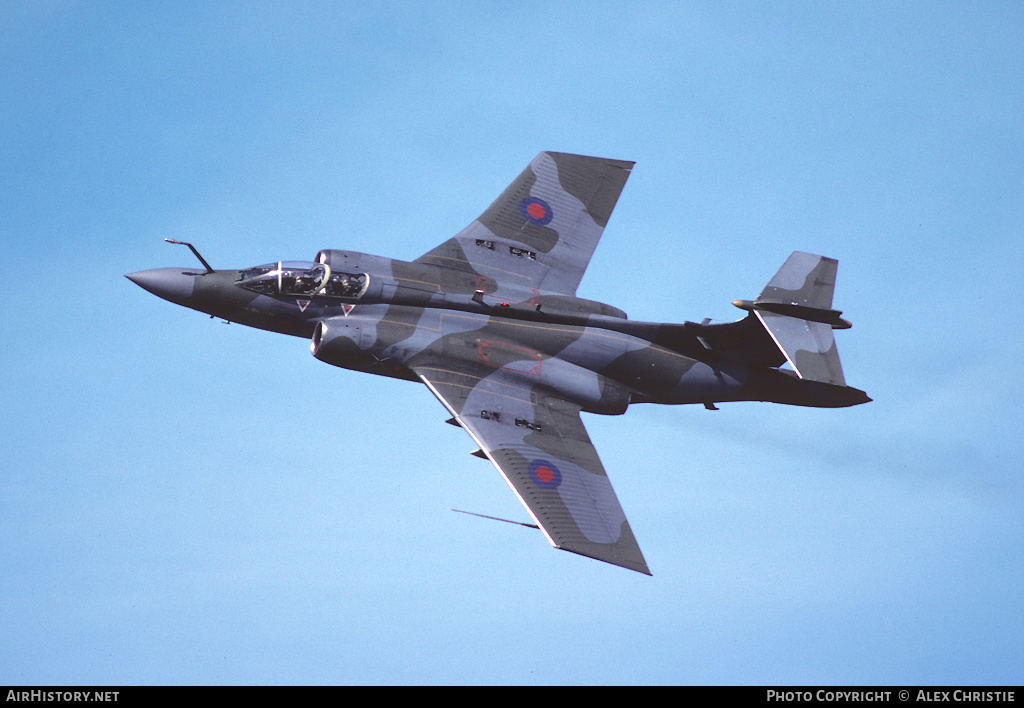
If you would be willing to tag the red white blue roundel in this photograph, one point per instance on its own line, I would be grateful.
(545, 474)
(536, 211)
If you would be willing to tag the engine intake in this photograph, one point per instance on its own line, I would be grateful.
(341, 342)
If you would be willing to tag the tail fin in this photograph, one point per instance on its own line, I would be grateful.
(795, 308)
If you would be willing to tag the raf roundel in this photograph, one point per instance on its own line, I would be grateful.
(536, 211)
(544, 474)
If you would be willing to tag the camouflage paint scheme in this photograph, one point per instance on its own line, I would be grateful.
(489, 321)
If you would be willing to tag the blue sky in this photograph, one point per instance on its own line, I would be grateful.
(188, 502)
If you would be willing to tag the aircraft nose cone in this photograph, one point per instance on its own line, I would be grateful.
(172, 284)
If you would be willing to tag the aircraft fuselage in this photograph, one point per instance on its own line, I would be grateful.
(585, 350)
(488, 320)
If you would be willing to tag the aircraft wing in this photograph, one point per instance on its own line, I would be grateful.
(542, 231)
(537, 441)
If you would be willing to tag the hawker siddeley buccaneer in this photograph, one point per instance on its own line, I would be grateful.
(490, 322)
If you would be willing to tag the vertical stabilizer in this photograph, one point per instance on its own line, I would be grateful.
(808, 346)
(796, 310)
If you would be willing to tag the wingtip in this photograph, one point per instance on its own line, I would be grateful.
(637, 566)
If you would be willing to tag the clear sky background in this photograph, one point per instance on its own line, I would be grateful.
(184, 501)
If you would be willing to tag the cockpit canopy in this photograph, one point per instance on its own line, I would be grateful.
(303, 279)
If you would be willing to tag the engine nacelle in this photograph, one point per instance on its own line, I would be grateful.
(342, 342)
(596, 393)
(615, 398)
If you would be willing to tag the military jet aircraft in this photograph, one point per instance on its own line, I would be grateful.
(489, 321)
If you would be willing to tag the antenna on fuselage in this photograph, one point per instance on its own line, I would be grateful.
(201, 259)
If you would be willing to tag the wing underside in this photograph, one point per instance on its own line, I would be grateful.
(537, 441)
